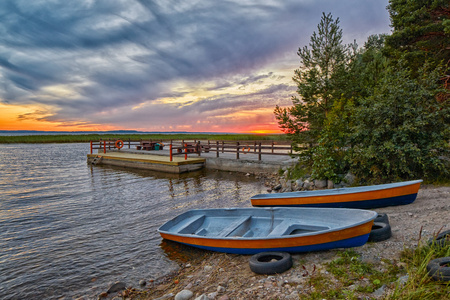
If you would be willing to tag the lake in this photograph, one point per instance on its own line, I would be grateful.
(69, 229)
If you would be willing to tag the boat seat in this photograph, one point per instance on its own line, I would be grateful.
(287, 227)
(233, 226)
(191, 225)
(281, 228)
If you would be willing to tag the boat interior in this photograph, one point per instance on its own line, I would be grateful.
(242, 226)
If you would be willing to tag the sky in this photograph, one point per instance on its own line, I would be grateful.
(184, 65)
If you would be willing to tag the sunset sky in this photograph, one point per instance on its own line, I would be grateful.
(187, 65)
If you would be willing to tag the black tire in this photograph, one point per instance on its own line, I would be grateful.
(441, 240)
(270, 262)
(383, 218)
(380, 232)
(439, 269)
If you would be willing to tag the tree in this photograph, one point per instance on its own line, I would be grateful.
(421, 32)
(402, 130)
(317, 87)
(377, 112)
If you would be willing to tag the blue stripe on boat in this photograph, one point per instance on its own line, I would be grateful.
(391, 201)
(346, 243)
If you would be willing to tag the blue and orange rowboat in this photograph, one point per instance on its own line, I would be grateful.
(364, 197)
(254, 230)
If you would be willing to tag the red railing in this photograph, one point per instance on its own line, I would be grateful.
(183, 147)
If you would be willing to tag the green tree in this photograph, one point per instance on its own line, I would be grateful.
(421, 32)
(402, 130)
(378, 112)
(318, 85)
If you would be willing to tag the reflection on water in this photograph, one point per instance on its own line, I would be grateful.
(70, 229)
(179, 252)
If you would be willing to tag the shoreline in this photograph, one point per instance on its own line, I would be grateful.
(228, 276)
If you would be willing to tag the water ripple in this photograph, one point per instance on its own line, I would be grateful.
(69, 229)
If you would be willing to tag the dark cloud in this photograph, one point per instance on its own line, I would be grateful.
(89, 59)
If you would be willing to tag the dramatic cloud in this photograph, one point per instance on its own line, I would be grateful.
(163, 65)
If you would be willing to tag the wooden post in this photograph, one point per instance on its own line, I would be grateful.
(171, 157)
(185, 151)
(237, 150)
(254, 146)
(223, 147)
(91, 147)
(259, 154)
(104, 146)
(217, 148)
(272, 146)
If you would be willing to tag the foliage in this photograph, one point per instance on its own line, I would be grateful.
(420, 285)
(329, 155)
(381, 112)
(320, 80)
(401, 131)
(421, 32)
(325, 57)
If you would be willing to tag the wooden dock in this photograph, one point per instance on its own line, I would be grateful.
(184, 156)
(147, 161)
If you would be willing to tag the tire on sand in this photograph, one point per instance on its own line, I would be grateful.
(270, 262)
(382, 217)
(441, 239)
(380, 232)
(439, 269)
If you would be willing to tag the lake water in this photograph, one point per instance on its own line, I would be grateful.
(69, 229)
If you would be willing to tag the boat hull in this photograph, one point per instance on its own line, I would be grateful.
(358, 197)
(316, 237)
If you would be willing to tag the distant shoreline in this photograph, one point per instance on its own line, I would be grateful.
(39, 132)
(86, 137)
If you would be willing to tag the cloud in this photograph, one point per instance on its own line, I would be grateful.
(92, 59)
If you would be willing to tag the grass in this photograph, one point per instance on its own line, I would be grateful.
(348, 277)
(419, 284)
(85, 138)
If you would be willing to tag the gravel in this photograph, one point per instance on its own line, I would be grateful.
(227, 276)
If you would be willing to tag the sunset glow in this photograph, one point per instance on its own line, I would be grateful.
(206, 66)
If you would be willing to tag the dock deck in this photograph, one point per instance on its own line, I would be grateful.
(159, 160)
(145, 160)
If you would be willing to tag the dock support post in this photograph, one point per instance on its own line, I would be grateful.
(171, 155)
(185, 151)
(259, 153)
(217, 148)
(91, 147)
(237, 150)
(104, 146)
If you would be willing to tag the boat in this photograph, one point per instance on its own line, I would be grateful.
(363, 197)
(254, 230)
